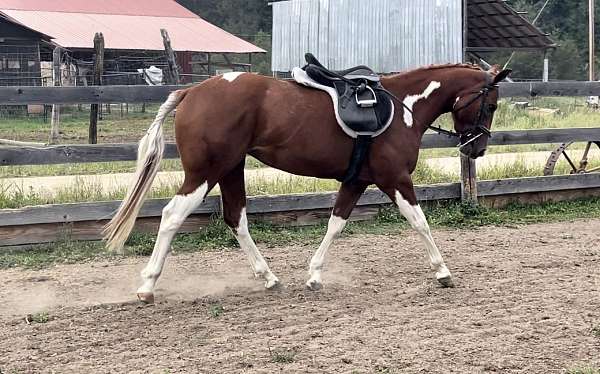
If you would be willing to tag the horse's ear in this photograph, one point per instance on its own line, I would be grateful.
(502, 75)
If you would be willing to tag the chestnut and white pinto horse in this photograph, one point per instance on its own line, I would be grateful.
(293, 128)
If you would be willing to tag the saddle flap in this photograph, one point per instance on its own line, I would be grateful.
(371, 118)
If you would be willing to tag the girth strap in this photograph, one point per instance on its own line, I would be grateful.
(361, 149)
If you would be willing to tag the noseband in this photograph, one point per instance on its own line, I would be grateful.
(478, 129)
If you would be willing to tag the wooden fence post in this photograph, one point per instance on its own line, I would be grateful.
(98, 69)
(468, 179)
(173, 68)
(55, 122)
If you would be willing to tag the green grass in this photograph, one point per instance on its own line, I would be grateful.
(217, 236)
(584, 370)
(12, 197)
(41, 317)
(96, 168)
(282, 357)
(80, 169)
(216, 310)
(74, 126)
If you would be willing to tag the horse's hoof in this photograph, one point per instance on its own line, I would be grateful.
(146, 297)
(446, 281)
(273, 284)
(314, 285)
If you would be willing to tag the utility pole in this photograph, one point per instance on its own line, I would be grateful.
(592, 42)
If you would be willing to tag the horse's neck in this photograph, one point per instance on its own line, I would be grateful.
(439, 101)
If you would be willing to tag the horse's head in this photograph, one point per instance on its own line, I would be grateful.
(473, 112)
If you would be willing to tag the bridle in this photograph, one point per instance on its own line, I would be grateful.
(471, 133)
(478, 129)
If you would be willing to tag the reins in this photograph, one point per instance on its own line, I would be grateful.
(471, 137)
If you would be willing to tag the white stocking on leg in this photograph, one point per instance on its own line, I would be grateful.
(173, 216)
(334, 228)
(257, 261)
(417, 220)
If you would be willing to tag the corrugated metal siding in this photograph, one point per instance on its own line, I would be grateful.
(387, 35)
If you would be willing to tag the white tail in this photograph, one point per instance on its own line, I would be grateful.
(150, 153)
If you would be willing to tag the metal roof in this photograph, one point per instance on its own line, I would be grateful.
(131, 25)
(493, 25)
(18, 24)
(157, 8)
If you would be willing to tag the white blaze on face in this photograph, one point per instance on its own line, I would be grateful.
(411, 100)
(231, 76)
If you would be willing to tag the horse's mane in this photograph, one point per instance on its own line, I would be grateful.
(440, 66)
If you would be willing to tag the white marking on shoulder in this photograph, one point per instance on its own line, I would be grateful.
(411, 100)
(231, 76)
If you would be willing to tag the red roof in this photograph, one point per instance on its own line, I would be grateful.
(157, 8)
(125, 24)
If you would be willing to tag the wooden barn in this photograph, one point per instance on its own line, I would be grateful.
(20, 51)
(132, 37)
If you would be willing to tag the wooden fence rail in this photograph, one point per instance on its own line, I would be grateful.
(83, 221)
(40, 224)
(153, 94)
(64, 154)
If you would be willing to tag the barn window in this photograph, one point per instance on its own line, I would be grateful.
(14, 64)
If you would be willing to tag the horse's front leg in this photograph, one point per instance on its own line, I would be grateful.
(403, 195)
(348, 195)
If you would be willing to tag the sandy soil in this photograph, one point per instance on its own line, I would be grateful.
(526, 301)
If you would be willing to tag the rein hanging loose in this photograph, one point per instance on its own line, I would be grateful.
(469, 136)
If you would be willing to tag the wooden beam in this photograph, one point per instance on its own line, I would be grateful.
(468, 180)
(85, 95)
(98, 70)
(531, 89)
(84, 221)
(157, 94)
(68, 154)
(55, 121)
(514, 137)
(173, 68)
(538, 184)
(65, 154)
(80, 212)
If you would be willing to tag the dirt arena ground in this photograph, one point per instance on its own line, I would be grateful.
(527, 301)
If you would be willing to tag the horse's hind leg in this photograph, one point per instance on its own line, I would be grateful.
(405, 198)
(190, 195)
(233, 193)
(348, 195)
